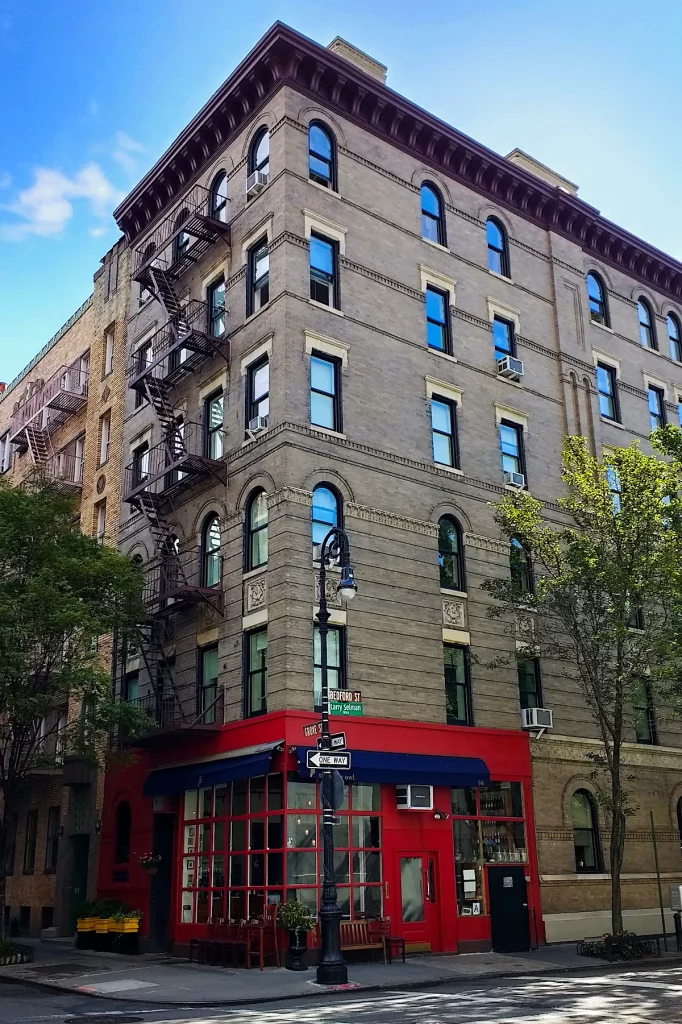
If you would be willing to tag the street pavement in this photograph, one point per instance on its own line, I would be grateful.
(627, 996)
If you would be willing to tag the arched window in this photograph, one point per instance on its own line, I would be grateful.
(257, 530)
(679, 820)
(450, 554)
(521, 567)
(259, 154)
(182, 240)
(326, 512)
(498, 249)
(647, 333)
(210, 552)
(596, 297)
(122, 837)
(321, 155)
(170, 565)
(585, 832)
(674, 336)
(218, 197)
(433, 220)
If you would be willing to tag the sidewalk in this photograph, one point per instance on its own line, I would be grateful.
(167, 981)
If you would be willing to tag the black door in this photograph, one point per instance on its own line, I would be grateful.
(509, 924)
(160, 890)
(80, 854)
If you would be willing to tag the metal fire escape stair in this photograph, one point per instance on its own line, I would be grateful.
(39, 444)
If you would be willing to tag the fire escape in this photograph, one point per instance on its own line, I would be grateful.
(47, 408)
(186, 454)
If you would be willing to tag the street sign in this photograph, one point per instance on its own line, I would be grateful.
(337, 741)
(312, 730)
(346, 696)
(337, 707)
(324, 759)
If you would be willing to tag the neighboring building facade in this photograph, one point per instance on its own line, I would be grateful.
(63, 416)
(331, 293)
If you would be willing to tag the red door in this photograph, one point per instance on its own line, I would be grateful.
(417, 915)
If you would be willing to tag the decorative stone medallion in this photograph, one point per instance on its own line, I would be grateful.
(256, 594)
(101, 483)
(454, 614)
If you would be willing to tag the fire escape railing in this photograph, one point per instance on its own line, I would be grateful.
(51, 405)
(176, 463)
(176, 581)
(179, 347)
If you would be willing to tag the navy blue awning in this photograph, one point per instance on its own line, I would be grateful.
(240, 764)
(412, 769)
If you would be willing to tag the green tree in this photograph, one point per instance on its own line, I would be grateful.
(61, 595)
(606, 606)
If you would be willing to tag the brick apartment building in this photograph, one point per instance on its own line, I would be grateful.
(329, 294)
(62, 415)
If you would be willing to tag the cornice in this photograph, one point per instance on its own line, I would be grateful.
(284, 57)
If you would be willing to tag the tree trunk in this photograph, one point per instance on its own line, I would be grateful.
(616, 851)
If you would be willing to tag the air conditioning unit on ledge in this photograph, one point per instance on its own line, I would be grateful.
(414, 798)
(536, 718)
(510, 367)
(255, 183)
(258, 424)
(515, 480)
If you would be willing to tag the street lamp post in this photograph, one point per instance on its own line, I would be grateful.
(332, 967)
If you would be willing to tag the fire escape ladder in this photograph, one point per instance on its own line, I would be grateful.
(153, 653)
(164, 291)
(156, 394)
(39, 444)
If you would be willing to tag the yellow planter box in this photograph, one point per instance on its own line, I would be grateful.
(103, 925)
(130, 925)
(85, 924)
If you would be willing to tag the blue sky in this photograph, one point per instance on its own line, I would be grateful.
(92, 92)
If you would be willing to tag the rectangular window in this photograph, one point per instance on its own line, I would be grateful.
(511, 446)
(141, 463)
(104, 437)
(336, 670)
(656, 407)
(258, 390)
(143, 359)
(503, 338)
(52, 841)
(607, 389)
(12, 824)
(101, 520)
(679, 416)
(108, 361)
(613, 480)
(643, 713)
(209, 683)
(325, 405)
(444, 431)
(131, 686)
(5, 453)
(256, 672)
(438, 319)
(213, 423)
(457, 685)
(30, 842)
(530, 690)
(215, 296)
(258, 268)
(324, 276)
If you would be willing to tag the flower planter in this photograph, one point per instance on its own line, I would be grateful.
(298, 944)
(150, 869)
(85, 924)
(102, 925)
(17, 955)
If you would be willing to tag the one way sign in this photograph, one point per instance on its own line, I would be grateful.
(323, 759)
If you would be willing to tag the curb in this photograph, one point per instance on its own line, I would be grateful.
(361, 989)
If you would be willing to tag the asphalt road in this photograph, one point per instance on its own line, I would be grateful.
(626, 997)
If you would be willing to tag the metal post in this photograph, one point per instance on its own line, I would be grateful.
(331, 969)
(658, 879)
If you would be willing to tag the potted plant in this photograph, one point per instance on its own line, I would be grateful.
(150, 862)
(296, 918)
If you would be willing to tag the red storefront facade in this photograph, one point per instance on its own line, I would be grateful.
(456, 877)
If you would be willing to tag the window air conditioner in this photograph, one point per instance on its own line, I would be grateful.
(510, 367)
(255, 183)
(258, 424)
(414, 798)
(515, 479)
(536, 718)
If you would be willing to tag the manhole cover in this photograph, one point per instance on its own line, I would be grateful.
(64, 970)
(102, 1018)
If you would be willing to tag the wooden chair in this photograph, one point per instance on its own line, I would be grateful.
(261, 940)
(383, 928)
(356, 935)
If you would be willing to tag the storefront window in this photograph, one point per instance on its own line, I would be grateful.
(485, 834)
(274, 853)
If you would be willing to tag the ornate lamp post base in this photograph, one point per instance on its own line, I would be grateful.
(331, 969)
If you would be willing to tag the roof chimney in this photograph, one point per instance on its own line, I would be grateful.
(3, 387)
(529, 163)
(362, 60)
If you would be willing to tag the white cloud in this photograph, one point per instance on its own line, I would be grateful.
(124, 151)
(45, 207)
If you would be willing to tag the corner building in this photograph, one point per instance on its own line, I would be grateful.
(343, 311)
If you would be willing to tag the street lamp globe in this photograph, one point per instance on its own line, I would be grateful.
(346, 587)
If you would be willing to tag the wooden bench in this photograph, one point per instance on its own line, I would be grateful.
(357, 935)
